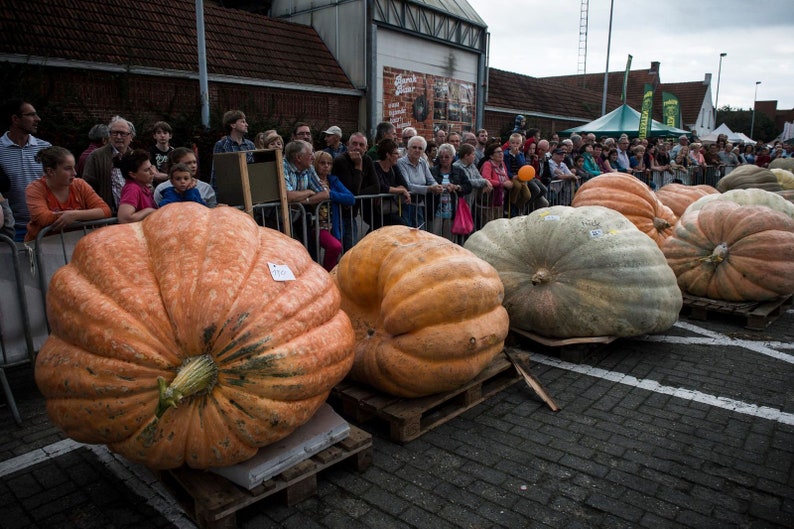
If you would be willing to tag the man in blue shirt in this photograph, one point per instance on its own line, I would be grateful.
(234, 121)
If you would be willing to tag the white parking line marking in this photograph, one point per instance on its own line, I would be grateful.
(34, 457)
(758, 347)
(763, 412)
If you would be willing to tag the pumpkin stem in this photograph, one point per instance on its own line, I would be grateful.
(541, 276)
(196, 374)
(660, 224)
(718, 255)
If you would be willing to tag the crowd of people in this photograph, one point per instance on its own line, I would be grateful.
(407, 179)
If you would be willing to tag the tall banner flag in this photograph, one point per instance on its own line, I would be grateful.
(647, 109)
(671, 110)
(626, 79)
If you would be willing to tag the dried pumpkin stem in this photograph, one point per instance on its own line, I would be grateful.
(718, 255)
(198, 373)
(660, 224)
(540, 276)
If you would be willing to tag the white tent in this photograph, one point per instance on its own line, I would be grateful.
(733, 137)
(745, 139)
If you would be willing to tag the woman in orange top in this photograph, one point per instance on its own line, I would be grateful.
(58, 198)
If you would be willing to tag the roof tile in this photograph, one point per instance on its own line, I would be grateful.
(163, 35)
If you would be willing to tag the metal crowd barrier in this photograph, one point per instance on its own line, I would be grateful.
(17, 343)
(691, 176)
(53, 250)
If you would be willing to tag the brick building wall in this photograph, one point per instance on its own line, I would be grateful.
(71, 97)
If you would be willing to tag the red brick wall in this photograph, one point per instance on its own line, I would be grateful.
(98, 96)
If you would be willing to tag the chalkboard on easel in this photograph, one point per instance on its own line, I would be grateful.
(239, 183)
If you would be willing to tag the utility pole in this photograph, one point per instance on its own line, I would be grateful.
(606, 72)
(752, 120)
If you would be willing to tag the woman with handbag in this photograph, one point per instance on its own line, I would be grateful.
(455, 184)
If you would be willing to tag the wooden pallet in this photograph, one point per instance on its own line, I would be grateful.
(213, 501)
(756, 315)
(408, 419)
(574, 350)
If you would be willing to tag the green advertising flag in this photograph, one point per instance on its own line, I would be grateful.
(647, 109)
(626, 79)
(671, 110)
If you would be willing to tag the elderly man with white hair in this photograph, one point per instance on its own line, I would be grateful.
(417, 175)
(99, 170)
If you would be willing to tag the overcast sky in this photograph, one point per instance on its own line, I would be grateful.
(541, 38)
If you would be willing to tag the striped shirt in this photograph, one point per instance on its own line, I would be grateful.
(21, 167)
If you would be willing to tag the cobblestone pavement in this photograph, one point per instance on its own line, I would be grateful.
(693, 428)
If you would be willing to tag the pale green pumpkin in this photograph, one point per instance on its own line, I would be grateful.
(579, 272)
(748, 176)
(747, 197)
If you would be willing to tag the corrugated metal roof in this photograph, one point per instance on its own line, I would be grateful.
(459, 8)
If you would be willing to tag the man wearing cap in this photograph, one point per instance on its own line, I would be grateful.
(407, 134)
(333, 141)
(557, 167)
(562, 193)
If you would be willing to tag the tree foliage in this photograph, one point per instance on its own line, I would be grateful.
(740, 120)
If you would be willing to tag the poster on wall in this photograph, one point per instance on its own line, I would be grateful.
(427, 102)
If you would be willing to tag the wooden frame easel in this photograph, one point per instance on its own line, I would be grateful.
(240, 183)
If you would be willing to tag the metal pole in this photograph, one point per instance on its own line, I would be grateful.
(752, 120)
(606, 72)
(204, 91)
(717, 98)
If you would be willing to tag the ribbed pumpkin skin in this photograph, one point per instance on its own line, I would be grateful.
(748, 176)
(755, 263)
(788, 194)
(579, 272)
(678, 197)
(139, 299)
(428, 314)
(782, 163)
(635, 200)
(784, 177)
(748, 197)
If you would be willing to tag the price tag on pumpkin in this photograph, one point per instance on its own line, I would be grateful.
(555, 218)
(595, 234)
(280, 272)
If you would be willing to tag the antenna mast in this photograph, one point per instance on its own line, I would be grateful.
(581, 66)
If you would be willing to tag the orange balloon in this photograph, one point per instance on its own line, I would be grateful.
(526, 173)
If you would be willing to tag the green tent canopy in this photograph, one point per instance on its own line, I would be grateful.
(623, 120)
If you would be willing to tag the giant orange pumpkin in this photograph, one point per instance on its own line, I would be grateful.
(730, 252)
(172, 343)
(678, 197)
(428, 314)
(629, 196)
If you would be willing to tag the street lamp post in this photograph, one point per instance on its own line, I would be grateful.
(752, 120)
(717, 98)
